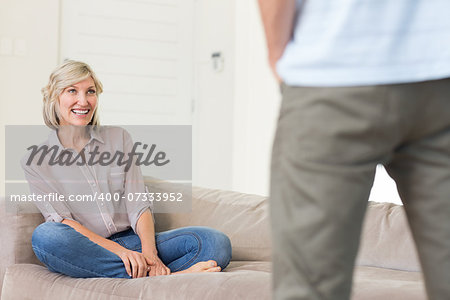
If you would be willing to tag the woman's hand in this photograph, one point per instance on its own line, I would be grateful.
(157, 267)
(146, 232)
(135, 263)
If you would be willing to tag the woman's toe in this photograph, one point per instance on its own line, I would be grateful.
(212, 263)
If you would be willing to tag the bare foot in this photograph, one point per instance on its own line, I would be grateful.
(200, 267)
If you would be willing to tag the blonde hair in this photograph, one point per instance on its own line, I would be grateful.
(68, 73)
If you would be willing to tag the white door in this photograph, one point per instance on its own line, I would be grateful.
(142, 51)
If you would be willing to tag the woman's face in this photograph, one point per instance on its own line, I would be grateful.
(77, 103)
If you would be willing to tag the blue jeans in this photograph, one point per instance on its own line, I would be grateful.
(64, 250)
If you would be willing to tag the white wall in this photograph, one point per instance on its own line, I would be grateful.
(143, 54)
(384, 188)
(214, 93)
(235, 110)
(23, 74)
(257, 100)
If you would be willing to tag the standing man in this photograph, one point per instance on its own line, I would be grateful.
(364, 82)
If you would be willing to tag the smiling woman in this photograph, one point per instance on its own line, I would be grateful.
(104, 238)
(71, 96)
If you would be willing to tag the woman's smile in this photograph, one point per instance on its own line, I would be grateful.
(81, 112)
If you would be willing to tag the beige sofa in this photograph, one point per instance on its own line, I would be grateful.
(387, 263)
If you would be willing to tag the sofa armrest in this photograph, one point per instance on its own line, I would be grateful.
(7, 225)
(15, 234)
(386, 239)
(244, 218)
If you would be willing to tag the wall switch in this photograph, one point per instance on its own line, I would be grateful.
(217, 61)
(20, 47)
(6, 46)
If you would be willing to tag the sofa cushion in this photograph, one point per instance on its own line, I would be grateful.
(241, 280)
(370, 283)
(386, 239)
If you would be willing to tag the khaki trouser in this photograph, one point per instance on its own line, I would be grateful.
(327, 145)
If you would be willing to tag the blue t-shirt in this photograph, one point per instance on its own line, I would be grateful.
(367, 42)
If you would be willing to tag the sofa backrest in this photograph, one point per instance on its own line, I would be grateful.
(386, 239)
(244, 218)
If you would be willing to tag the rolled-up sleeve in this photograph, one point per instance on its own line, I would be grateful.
(134, 183)
(52, 211)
